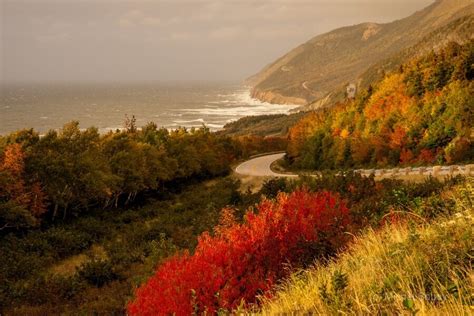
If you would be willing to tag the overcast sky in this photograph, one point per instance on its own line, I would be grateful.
(112, 40)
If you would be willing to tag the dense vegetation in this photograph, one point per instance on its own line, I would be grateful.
(78, 209)
(423, 113)
(93, 263)
(408, 267)
(237, 265)
(276, 125)
(62, 174)
(243, 260)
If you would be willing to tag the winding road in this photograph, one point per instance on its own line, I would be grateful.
(261, 167)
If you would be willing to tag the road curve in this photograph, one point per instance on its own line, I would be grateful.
(260, 167)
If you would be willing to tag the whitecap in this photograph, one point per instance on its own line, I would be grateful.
(190, 121)
(214, 126)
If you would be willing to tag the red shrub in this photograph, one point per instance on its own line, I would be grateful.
(244, 260)
(426, 156)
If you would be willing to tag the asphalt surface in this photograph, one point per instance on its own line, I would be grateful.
(260, 167)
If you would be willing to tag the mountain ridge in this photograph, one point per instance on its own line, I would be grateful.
(316, 68)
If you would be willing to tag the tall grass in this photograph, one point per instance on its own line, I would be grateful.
(422, 269)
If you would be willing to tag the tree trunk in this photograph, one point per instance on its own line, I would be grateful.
(116, 200)
(55, 212)
(128, 198)
(65, 211)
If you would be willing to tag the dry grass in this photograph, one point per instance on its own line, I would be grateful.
(401, 269)
(251, 183)
(68, 266)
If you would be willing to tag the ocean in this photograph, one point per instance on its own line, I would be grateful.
(105, 106)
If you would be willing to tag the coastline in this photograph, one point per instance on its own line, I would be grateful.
(51, 107)
(276, 98)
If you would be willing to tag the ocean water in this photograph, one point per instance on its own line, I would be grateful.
(105, 106)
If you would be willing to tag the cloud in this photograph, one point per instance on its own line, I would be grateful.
(124, 22)
(227, 33)
(136, 17)
(92, 37)
(150, 21)
(52, 38)
(276, 32)
(180, 36)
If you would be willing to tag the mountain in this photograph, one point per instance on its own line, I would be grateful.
(314, 71)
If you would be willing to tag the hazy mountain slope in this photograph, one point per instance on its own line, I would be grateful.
(460, 31)
(314, 69)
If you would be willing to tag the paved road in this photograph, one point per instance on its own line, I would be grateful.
(260, 167)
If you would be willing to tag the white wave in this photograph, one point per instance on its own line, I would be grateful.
(239, 111)
(172, 114)
(190, 121)
(214, 126)
(240, 104)
(246, 98)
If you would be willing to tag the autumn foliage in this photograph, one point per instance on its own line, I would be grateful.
(421, 114)
(23, 196)
(242, 261)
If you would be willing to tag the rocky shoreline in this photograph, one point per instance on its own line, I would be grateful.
(276, 98)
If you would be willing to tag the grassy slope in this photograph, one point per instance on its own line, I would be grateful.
(459, 31)
(40, 269)
(333, 59)
(425, 268)
(262, 125)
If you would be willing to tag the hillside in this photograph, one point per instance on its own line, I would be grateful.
(262, 125)
(320, 66)
(419, 114)
(459, 31)
(422, 269)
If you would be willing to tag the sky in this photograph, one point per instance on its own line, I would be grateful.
(168, 40)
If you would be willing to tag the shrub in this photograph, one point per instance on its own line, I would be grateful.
(97, 272)
(244, 260)
(272, 187)
(395, 270)
(93, 227)
(66, 242)
(50, 289)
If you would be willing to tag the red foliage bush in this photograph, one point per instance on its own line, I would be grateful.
(244, 260)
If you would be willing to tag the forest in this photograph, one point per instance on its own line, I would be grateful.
(66, 172)
(421, 114)
(81, 203)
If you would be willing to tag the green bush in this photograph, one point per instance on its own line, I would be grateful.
(272, 187)
(95, 228)
(67, 242)
(97, 272)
